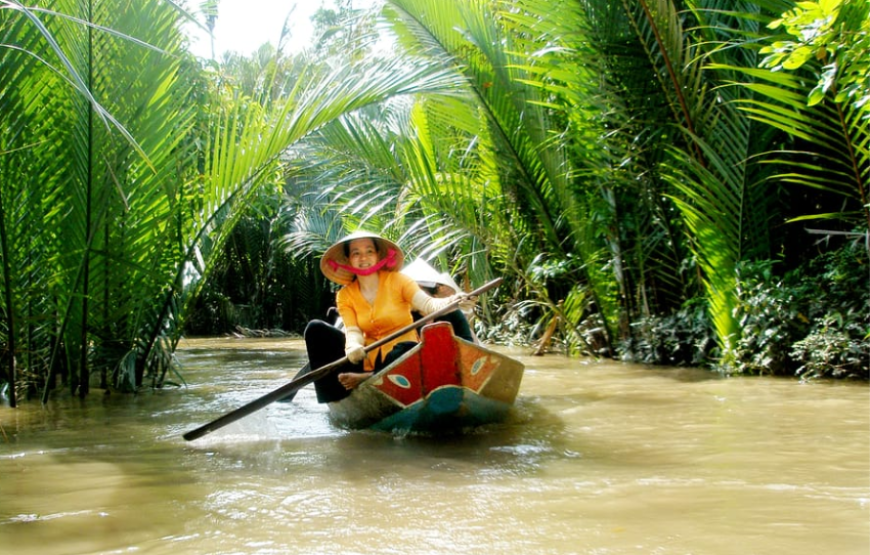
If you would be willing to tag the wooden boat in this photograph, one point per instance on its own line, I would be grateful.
(444, 384)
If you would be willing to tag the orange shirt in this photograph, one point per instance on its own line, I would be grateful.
(390, 313)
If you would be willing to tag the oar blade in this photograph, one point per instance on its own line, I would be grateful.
(285, 390)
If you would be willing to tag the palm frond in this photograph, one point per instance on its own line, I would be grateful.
(834, 137)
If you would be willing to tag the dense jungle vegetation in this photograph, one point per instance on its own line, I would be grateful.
(677, 182)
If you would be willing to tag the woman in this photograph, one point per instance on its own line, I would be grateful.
(374, 302)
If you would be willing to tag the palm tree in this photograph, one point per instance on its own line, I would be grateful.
(813, 86)
(708, 168)
(628, 183)
(618, 155)
(509, 120)
(106, 239)
(106, 196)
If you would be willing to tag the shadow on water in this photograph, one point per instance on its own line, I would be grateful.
(520, 446)
(299, 438)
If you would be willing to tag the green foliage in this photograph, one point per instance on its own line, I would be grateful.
(772, 313)
(87, 267)
(811, 322)
(684, 338)
(627, 166)
(108, 240)
(838, 347)
(256, 283)
(628, 178)
(343, 32)
(838, 343)
(596, 155)
(813, 86)
(834, 32)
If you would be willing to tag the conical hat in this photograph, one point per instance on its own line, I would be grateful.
(423, 273)
(338, 254)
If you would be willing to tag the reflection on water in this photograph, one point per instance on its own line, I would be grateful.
(596, 458)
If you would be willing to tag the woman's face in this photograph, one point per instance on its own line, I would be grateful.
(362, 253)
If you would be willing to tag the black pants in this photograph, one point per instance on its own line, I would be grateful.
(325, 344)
(457, 319)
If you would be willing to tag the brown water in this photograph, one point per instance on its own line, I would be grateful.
(597, 458)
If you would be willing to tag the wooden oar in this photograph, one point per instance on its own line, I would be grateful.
(290, 396)
(301, 381)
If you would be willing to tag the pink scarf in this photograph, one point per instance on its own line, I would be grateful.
(389, 261)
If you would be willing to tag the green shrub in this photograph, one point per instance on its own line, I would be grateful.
(772, 313)
(684, 338)
(812, 322)
(838, 348)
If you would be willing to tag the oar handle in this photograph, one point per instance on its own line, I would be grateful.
(301, 381)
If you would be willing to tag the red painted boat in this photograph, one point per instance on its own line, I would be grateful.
(444, 384)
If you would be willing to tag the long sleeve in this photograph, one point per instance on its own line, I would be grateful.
(354, 344)
(424, 304)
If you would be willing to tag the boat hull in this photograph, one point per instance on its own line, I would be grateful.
(444, 384)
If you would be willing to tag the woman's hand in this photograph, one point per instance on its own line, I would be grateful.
(352, 379)
(356, 354)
